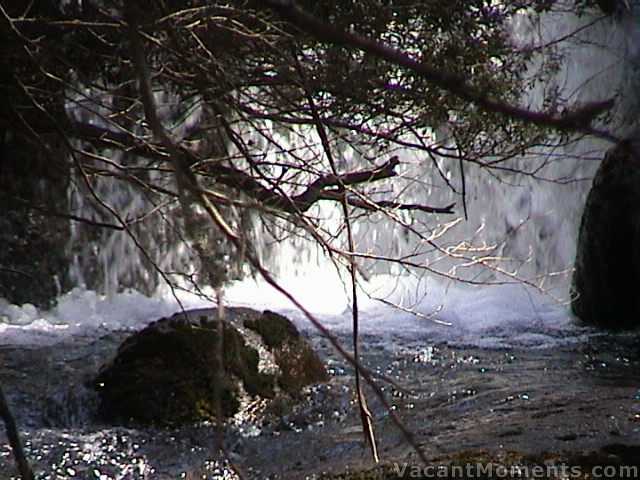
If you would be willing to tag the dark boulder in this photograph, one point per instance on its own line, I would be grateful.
(169, 373)
(607, 267)
(611, 7)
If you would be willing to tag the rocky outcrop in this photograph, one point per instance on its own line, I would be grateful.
(607, 267)
(170, 373)
(33, 231)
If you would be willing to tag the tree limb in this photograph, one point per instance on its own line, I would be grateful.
(383, 204)
(14, 439)
(190, 183)
(322, 188)
(317, 187)
(578, 120)
(366, 417)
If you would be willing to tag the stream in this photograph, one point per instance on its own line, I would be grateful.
(566, 388)
(504, 371)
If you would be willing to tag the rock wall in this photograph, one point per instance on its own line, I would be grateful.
(33, 234)
(607, 267)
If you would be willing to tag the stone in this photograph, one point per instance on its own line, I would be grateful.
(607, 265)
(169, 373)
(299, 364)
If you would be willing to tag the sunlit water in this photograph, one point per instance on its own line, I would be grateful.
(493, 379)
(505, 367)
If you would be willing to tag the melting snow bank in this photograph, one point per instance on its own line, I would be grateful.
(487, 317)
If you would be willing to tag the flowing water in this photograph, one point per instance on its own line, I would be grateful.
(500, 381)
(500, 368)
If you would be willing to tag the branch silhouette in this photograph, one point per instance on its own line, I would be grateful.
(578, 120)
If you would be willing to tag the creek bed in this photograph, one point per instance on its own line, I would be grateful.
(577, 396)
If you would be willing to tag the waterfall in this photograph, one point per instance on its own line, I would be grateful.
(528, 220)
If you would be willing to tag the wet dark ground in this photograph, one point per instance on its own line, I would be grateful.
(577, 397)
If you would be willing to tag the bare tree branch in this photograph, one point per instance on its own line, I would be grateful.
(14, 439)
(384, 204)
(322, 188)
(578, 120)
(191, 184)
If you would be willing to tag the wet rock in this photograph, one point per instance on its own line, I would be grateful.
(298, 363)
(170, 372)
(607, 266)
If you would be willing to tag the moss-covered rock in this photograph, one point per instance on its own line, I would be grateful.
(275, 329)
(170, 374)
(299, 365)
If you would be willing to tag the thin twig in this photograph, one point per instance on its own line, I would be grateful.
(188, 181)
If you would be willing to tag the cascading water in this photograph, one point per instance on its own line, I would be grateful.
(529, 220)
(528, 211)
(522, 218)
(512, 372)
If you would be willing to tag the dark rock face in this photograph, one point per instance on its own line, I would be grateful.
(611, 7)
(607, 6)
(607, 266)
(170, 374)
(33, 239)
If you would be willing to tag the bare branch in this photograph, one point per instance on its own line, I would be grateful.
(320, 189)
(366, 418)
(70, 216)
(384, 204)
(14, 439)
(572, 121)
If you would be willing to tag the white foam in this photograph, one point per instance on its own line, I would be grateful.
(82, 312)
(496, 316)
(486, 316)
